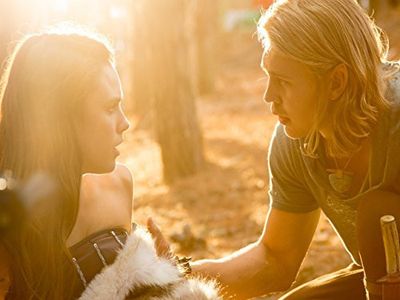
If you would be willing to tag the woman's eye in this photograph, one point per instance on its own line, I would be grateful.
(112, 108)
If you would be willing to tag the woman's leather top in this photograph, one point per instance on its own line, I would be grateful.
(91, 255)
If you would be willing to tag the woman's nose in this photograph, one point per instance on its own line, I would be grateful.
(124, 123)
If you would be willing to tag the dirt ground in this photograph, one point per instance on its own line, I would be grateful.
(223, 207)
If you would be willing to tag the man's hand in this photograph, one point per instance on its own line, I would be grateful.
(162, 246)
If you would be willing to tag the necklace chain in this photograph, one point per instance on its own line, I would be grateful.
(345, 165)
(340, 179)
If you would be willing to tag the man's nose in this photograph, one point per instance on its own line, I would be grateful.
(267, 97)
(269, 93)
(271, 97)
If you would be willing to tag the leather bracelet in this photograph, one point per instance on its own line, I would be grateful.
(183, 264)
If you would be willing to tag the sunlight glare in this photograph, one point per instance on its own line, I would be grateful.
(117, 12)
(3, 184)
(60, 5)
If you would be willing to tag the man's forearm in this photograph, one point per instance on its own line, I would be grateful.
(249, 272)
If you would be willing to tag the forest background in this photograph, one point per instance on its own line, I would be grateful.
(199, 135)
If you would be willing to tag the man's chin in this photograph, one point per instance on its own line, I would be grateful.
(293, 134)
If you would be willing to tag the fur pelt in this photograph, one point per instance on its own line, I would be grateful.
(138, 273)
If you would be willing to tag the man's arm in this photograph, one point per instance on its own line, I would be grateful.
(270, 264)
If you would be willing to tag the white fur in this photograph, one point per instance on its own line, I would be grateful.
(137, 265)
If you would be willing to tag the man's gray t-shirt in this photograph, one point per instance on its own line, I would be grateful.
(300, 184)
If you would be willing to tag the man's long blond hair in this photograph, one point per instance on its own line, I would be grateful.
(322, 35)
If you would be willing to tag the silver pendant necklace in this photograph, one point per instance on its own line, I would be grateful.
(340, 179)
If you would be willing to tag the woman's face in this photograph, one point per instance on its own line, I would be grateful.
(103, 123)
(292, 91)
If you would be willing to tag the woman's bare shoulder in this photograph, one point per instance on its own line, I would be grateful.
(105, 202)
(124, 183)
(119, 178)
(115, 188)
(124, 176)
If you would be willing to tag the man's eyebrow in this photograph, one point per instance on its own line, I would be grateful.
(274, 74)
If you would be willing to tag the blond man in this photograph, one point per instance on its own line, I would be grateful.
(334, 150)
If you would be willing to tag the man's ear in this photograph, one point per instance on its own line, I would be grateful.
(338, 81)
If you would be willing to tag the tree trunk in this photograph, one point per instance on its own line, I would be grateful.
(205, 36)
(142, 64)
(163, 53)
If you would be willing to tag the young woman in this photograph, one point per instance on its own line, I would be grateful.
(61, 115)
(335, 149)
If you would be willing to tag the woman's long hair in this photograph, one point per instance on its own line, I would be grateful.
(46, 80)
(322, 35)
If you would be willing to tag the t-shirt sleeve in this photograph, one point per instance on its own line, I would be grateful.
(288, 190)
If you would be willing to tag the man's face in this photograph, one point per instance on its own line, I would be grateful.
(292, 92)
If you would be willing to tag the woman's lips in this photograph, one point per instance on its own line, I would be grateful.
(116, 151)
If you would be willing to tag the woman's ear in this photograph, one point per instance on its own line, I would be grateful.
(338, 81)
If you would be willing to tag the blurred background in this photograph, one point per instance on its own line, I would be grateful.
(199, 131)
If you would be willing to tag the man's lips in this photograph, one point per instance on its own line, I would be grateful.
(283, 120)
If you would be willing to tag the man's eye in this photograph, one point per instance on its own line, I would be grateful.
(283, 83)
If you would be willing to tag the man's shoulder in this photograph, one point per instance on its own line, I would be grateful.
(393, 82)
(390, 118)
